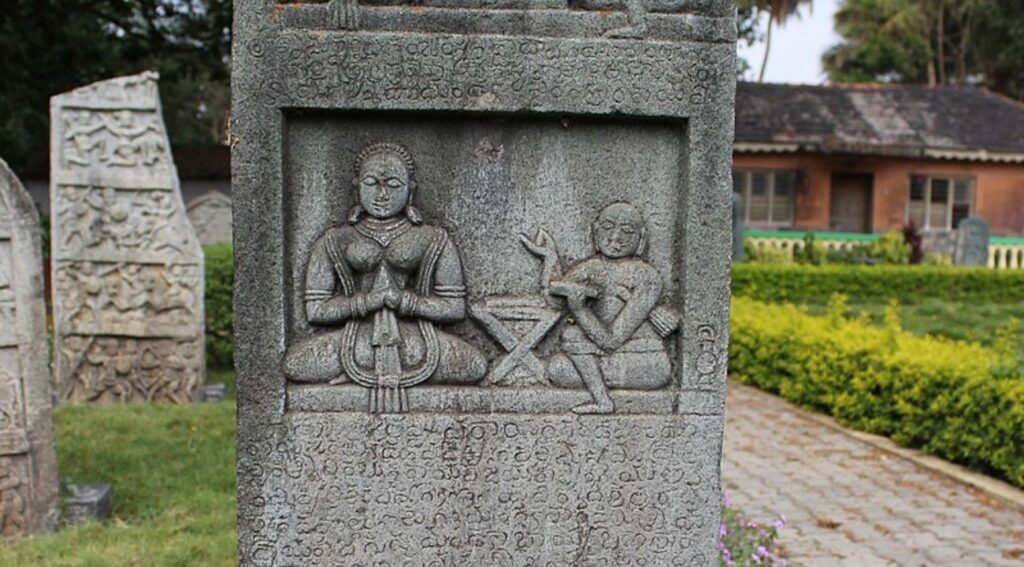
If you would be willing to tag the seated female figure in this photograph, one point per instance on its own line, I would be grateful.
(379, 286)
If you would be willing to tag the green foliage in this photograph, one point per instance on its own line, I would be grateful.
(883, 40)
(765, 254)
(971, 321)
(812, 252)
(908, 284)
(931, 42)
(943, 397)
(746, 543)
(172, 469)
(891, 248)
(52, 46)
(220, 279)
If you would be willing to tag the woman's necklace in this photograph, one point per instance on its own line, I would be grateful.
(385, 231)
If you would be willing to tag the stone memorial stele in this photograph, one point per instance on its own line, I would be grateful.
(482, 257)
(127, 267)
(210, 216)
(28, 462)
(972, 239)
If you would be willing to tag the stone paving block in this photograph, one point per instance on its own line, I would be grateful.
(889, 510)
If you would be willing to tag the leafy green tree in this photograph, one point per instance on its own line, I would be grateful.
(929, 41)
(883, 40)
(51, 46)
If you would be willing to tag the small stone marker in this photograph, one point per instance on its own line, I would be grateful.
(127, 267)
(465, 235)
(28, 462)
(972, 238)
(89, 503)
(212, 393)
(210, 216)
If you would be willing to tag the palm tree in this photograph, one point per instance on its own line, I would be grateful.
(778, 12)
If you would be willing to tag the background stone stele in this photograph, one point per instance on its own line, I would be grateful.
(127, 267)
(28, 463)
(210, 216)
(971, 244)
(500, 180)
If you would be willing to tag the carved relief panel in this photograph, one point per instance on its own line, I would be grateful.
(482, 281)
(28, 467)
(127, 265)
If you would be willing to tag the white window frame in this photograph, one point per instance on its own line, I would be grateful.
(748, 182)
(952, 179)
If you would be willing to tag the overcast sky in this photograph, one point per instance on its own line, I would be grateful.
(796, 47)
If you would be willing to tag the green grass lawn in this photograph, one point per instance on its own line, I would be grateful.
(977, 322)
(173, 474)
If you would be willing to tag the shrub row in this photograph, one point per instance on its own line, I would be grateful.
(908, 284)
(951, 399)
(220, 279)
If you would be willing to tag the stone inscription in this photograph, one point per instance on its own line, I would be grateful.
(127, 266)
(484, 72)
(437, 490)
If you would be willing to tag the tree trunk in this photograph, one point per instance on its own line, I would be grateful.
(940, 29)
(961, 56)
(767, 48)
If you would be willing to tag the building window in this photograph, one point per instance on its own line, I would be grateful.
(939, 202)
(767, 196)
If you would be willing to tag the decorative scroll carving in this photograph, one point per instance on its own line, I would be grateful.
(28, 467)
(106, 223)
(210, 216)
(13, 497)
(138, 300)
(615, 337)
(378, 287)
(111, 140)
(113, 369)
(127, 267)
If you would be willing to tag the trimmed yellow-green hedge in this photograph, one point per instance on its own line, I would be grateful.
(908, 284)
(947, 398)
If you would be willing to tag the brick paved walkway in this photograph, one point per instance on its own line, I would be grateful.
(850, 504)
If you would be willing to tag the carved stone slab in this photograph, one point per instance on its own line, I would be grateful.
(210, 216)
(28, 463)
(127, 266)
(972, 240)
(482, 280)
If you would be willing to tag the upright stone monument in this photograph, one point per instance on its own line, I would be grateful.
(482, 281)
(127, 267)
(210, 216)
(972, 239)
(28, 463)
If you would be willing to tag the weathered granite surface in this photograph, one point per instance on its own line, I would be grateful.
(127, 267)
(28, 462)
(210, 216)
(482, 256)
(972, 239)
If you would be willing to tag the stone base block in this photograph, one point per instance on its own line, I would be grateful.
(89, 502)
(211, 393)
